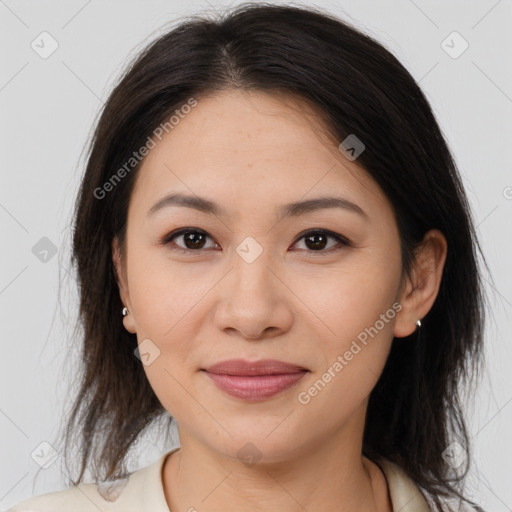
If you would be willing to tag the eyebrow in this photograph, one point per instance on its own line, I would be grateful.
(288, 210)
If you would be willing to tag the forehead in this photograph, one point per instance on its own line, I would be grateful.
(248, 148)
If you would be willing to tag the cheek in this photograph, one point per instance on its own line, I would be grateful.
(165, 302)
(165, 297)
(350, 299)
(352, 359)
(357, 308)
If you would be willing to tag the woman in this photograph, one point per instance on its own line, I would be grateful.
(274, 248)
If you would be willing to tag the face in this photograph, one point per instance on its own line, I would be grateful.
(315, 287)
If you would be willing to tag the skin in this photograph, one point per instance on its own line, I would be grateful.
(251, 152)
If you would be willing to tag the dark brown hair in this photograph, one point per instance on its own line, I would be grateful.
(415, 410)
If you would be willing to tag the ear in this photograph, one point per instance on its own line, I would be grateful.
(419, 292)
(122, 282)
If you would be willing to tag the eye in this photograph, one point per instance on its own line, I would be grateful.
(194, 240)
(316, 240)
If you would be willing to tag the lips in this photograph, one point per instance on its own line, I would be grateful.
(257, 380)
(264, 367)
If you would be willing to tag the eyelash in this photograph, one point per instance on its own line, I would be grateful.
(344, 242)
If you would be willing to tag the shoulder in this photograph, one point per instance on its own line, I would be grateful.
(406, 495)
(82, 498)
(140, 491)
(106, 496)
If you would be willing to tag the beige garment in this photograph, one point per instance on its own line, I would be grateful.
(143, 491)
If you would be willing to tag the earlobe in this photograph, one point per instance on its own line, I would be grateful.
(420, 291)
(405, 321)
(129, 323)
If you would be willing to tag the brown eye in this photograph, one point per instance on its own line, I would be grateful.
(317, 241)
(192, 239)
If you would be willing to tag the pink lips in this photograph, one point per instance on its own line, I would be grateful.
(254, 380)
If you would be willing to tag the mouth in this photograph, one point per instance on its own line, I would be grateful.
(239, 367)
(254, 380)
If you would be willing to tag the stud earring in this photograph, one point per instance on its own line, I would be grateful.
(418, 323)
(125, 311)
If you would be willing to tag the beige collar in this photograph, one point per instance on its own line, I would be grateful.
(143, 491)
(405, 494)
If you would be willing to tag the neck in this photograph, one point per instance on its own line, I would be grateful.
(328, 477)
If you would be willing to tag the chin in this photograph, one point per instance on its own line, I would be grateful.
(257, 447)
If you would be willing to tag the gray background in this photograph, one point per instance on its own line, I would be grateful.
(48, 106)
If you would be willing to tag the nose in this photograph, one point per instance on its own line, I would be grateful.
(253, 301)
